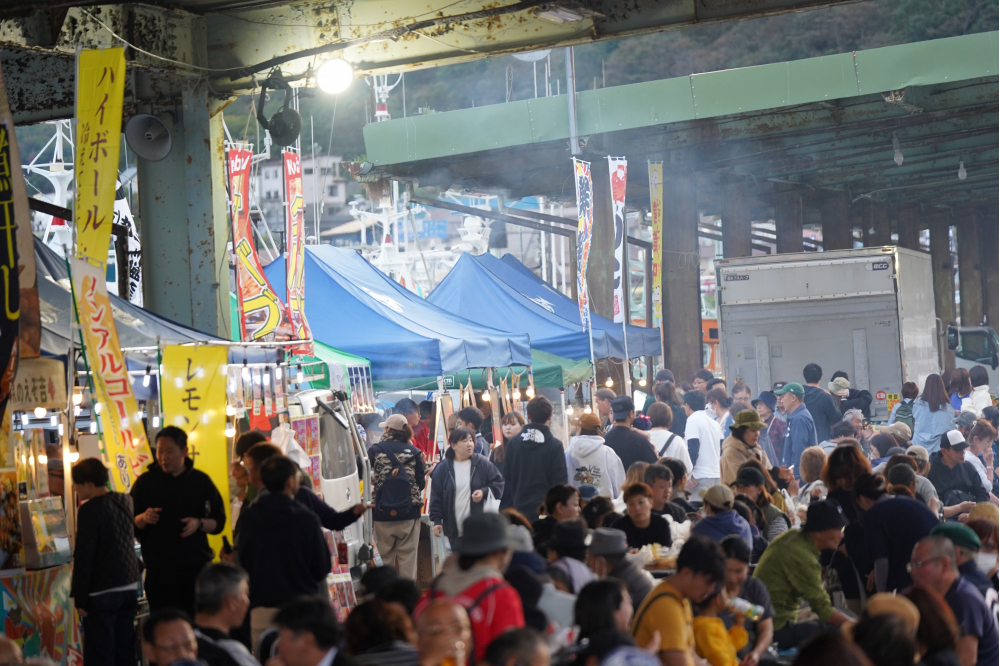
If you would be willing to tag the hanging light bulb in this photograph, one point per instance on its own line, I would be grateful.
(299, 376)
(246, 371)
(642, 382)
(156, 421)
(230, 410)
(897, 154)
(267, 378)
(43, 459)
(530, 392)
(145, 378)
(93, 427)
(40, 412)
(77, 398)
(486, 396)
(74, 456)
(569, 410)
(61, 431)
(230, 431)
(587, 410)
(961, 170)
(517, 394)
(609, 382)
(277, 372)
(77, 410)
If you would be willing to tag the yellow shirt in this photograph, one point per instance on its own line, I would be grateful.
(666, 611)
(717, 646)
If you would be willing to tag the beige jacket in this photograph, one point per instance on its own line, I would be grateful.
(734, 454)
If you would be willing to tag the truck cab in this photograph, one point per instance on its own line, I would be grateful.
(975, 345)
(341, 452)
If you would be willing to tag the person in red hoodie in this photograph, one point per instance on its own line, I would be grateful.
(477, 583)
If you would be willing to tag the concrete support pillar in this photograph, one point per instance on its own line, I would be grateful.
(944, 278)
(681, 283)
(835, 213)
(736, 227)
(788, 221)
(184, 223)
(875, 224)
(989, 227)
(970, 269)
(601, 265)
(908, 227)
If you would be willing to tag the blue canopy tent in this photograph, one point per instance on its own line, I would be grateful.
(471, 291)
(641, 341)
(353, 306)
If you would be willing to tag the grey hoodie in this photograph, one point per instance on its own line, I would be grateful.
(590, 460)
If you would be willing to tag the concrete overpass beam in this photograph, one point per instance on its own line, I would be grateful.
(944, 276)
(184, 222)
(736, 223)
(788, 221)
(835, 213)
(681, 280)
(970, 269)
(875, 224)
(908, 227)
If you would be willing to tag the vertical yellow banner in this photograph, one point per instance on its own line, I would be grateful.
(193, 392)
(124, 437)
(656, 208)
(100, 92)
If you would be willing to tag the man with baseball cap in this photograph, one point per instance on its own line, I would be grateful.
(800, 433)
(590, 461)
(606, 557)
(790, 570)
(773, 435)
(630, 446)
(720, 519)
(956, 481)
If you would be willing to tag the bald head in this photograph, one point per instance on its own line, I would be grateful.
(938, 546)
(933, 564)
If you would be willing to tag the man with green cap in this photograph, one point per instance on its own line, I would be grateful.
(742, 445)
(967, 544)
(800, 432)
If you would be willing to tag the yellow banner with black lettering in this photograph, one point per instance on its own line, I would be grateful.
(193, 393)
(124, 437)
(100, 92)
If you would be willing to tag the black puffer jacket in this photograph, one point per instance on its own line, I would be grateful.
(483, 475)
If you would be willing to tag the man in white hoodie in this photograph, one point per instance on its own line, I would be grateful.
(590, 460)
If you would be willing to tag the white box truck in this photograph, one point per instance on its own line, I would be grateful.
(868, 312)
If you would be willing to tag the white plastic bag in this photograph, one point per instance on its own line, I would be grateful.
(490, 504)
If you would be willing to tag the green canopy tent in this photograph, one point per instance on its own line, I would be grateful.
(550, 371)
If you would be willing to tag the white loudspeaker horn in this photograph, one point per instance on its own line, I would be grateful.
(149, 136)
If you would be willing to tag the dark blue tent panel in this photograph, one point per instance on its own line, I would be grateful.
(641, 341)
(471, 291)
(353, 306)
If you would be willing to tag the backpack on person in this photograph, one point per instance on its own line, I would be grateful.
(904, 414)
(395, 495)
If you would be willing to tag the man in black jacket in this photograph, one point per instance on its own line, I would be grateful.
(281, 545)
(819, 403)
(106, 570)
(308, 634)
(956, 481)
(630, 446)
(534, 461)
(222, 601)
(176, 508)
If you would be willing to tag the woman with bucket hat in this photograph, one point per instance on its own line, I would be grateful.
(742, 444)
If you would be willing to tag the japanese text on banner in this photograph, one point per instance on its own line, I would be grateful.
(264, 315)
(11, 314)
(295, 263)
(193, 392)
(585, 206)
(656, 207)
(100, 91)
(618, 171)
(125, 442)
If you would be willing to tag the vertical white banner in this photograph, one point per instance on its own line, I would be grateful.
(618, 170)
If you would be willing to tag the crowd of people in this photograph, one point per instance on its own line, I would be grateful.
(785, 527)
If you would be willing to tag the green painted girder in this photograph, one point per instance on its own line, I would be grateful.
(700, 96)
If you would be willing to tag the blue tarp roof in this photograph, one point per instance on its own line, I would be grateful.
(353, 306)
(641, 341)
(472, 291)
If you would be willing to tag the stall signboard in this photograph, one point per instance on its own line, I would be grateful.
(100, 93)
(295, 232)
(30, 317)
(39, 615)
(656, 209)
(124, 436)
(193, 393)
(39, 382)
(585, 206)
(11, 543)
(306, 429)
(618, 172)
(264, 316)
(10, 319)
